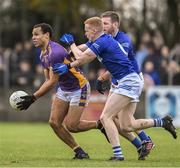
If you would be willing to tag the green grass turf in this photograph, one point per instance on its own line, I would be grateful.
(35, 145)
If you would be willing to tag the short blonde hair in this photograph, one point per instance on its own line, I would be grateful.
(95, 22)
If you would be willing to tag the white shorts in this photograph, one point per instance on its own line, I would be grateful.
(142, 78)
(130, 86)
(78, 97)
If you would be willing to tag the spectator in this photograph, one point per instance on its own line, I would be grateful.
(141, 54)
(14, 61)
(24, 76)
(149, 70)
(29, 54)
(158, 41)
(175, 53)
(1, 66)
(92, 75)
(174, 71)
(165, 56)
(39, 76)
(152, 57)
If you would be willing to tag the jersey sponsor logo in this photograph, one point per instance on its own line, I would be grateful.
(96, 46)
(125, 45)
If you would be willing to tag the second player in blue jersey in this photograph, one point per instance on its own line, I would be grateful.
(124, 94)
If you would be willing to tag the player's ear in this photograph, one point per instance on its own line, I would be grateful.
(116, 24)
(47, 34)
(94, 30)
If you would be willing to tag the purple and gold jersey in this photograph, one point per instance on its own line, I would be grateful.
(55, 53)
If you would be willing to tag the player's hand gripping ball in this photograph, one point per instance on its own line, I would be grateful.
(15, 98)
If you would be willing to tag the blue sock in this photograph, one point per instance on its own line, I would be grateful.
(117, 152)
(136, 142)
(158, 122)
(143, 136)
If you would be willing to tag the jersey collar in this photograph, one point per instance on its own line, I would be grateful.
(116, 33)
(100, 36)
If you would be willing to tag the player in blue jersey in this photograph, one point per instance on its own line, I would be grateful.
(126, 86)
(72, 93)
(111, 23)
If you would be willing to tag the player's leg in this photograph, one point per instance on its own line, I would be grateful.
(75, 124)
(143, 148)
(111, 109)
(100, 125)
(130, 136)
(147, 144)
(129, 123)
(78, 100)
(141, 133)
(134, 140)
(58, 112)
(131, 87)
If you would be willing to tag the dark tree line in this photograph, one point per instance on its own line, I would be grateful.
(17, 17)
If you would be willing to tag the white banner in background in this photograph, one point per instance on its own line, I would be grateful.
(163, 100)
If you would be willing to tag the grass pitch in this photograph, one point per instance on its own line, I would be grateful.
(35, 145)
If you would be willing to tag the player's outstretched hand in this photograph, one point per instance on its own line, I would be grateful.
(99, 86)
(26, 102)
(67, 39)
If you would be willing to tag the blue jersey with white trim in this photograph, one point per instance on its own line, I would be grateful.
(126, 43)
(112, 55)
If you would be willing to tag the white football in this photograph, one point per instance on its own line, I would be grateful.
(15, 98)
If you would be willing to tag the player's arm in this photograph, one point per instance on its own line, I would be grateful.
(68, 40)
(51, 80)
(46, 74)
(83, 47)
(81, 57)
(101, 79)
(88, 56)
(105, 76)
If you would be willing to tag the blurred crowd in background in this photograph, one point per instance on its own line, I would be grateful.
(153, 26)
(20, 66)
